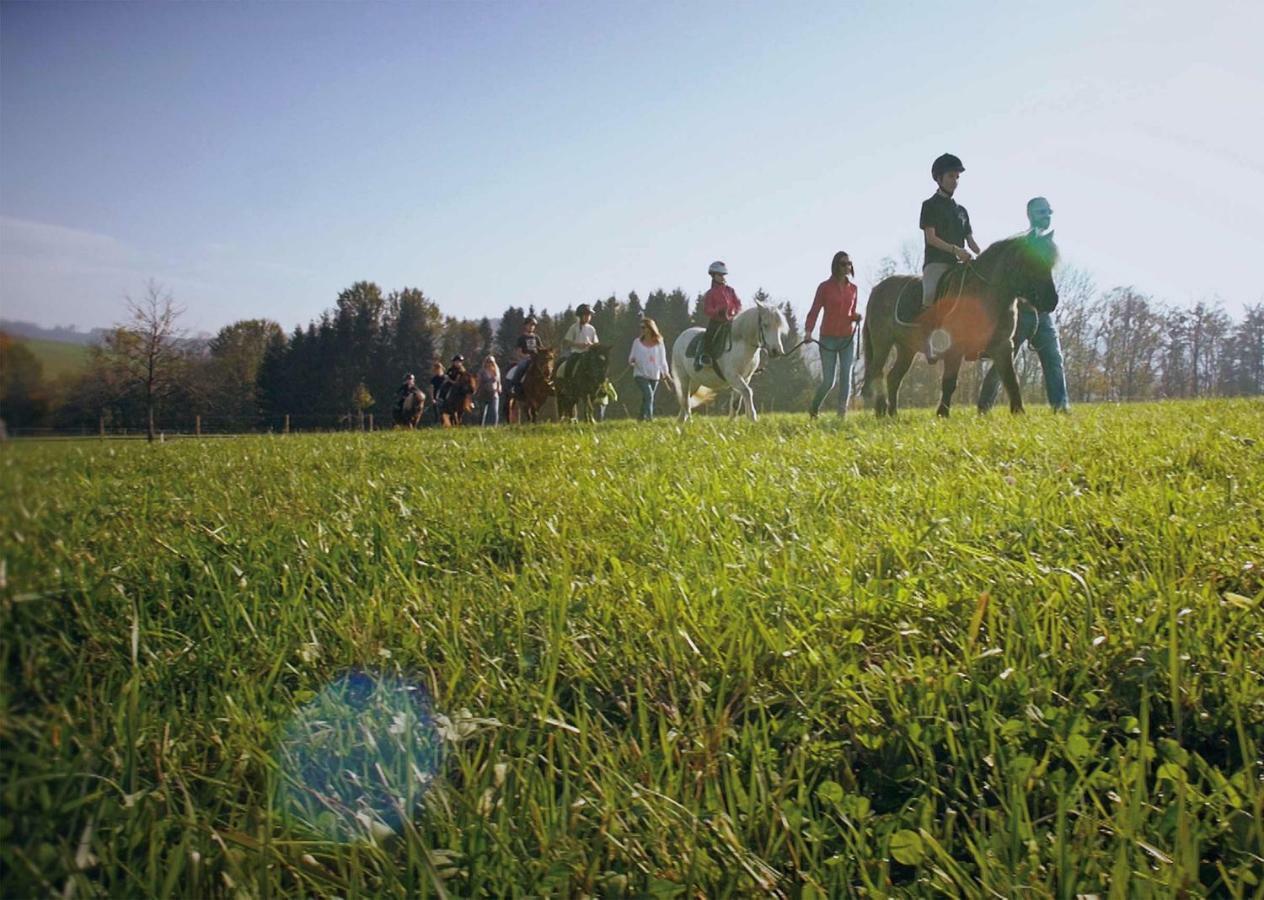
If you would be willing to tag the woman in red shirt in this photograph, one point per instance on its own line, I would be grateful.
(836, 297)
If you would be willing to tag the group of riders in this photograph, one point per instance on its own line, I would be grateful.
(949, 241)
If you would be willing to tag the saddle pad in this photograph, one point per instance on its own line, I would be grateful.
(908, 306)
(695, 345)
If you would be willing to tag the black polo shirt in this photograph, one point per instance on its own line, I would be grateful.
(951, 223)
(529, 343)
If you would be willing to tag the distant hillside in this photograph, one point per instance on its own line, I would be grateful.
(60, 334)
(59, 358)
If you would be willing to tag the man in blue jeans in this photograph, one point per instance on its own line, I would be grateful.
(1038, 330)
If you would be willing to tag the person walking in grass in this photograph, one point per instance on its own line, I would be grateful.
(488, 393)
(836, 298)
(1037, 329)
(437, 382)
(648, 360)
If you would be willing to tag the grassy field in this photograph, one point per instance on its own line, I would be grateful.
(982, 657)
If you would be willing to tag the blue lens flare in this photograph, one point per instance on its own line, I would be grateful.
(356, 761)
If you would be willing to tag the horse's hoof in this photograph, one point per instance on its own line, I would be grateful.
(942, 412)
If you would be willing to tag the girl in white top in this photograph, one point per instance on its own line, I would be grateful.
(581, 335)
(648, 360)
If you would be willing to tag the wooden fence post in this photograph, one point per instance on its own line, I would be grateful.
(370, 421)
(197, 425)
(286, 430)
(101, 426)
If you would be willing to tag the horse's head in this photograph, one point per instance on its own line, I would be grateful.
(1032, 275)
(598, 356)
(771, 328)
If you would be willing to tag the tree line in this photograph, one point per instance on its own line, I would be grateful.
(1118, 344)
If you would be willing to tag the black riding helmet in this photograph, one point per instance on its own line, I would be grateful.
(531, 320)
(945, 163)
(458, 358)
(583, 310)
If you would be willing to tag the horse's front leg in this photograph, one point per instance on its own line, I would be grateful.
(1010, 379)
(948, 386)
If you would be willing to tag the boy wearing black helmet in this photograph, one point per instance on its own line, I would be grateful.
(946, 225)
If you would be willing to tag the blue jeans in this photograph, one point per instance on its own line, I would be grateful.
(648, 387)
(1039, 331)
(837, 354)
(490, 410)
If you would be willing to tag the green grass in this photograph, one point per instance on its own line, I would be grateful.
(982, 657)
(59, 359)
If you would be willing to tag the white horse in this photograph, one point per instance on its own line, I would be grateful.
(757, 328)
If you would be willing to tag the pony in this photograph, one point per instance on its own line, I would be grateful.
(407, 411)
(974, 316)
(458, 399)
(757, 328)
(535, 387)
(579, 377)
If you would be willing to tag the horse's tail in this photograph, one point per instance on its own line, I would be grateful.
(866, 341)
(701, 396)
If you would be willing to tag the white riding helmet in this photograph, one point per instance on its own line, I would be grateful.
(717, 268)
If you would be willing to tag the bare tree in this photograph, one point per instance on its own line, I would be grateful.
(143, 358)
(1130, 333)
(1077, 328)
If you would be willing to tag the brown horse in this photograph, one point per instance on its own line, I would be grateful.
(458, 399)
(408, 409)
(973, 316)
(535, 387)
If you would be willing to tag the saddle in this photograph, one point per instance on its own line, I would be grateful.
(908, 305)
(697, 349)
(563, 369)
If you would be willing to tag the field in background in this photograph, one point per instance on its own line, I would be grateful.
(58, 359)
(803, 659)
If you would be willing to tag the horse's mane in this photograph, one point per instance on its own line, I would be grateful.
(999, 250)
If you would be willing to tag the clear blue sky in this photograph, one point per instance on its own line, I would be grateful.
(258, 158)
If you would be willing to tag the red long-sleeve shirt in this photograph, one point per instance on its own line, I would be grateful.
(721, 302)
(839, 304)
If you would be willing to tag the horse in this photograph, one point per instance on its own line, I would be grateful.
(757, 328)
(975, 312)
(578, 378)
(407, 412)
(458, 399)
(535, 387)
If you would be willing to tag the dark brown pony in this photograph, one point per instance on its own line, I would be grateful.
(458, 400)
(408, 410)
(974, 316)
(535, 387)
(578, 379)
